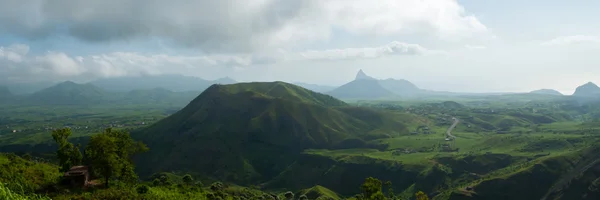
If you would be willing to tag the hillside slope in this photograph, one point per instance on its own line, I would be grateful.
(574, 175)
(250, 132)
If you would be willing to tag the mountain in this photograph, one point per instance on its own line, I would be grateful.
(361, 75)
(26, 87)
(68, 93)
(546, 91)
(171, 82)
(587, 90)
(361, 89)
(401, 87)
(366, 87)
(224, 80)
(251, 132)
(315, 87)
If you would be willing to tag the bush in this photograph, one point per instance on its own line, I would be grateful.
(156, 182)
(142, 189)
(188, 179)
(217, 186)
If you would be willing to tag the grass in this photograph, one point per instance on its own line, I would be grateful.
(7, 194)
(33, 123)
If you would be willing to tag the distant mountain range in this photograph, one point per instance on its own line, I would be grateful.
(546, 91)
(70, 93)
(367, 87)
(163, 88)
(176, 83)
(172, 82)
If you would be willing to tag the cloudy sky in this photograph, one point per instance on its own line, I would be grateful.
(462, 46)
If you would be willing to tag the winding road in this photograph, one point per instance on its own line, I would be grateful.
(449, 131)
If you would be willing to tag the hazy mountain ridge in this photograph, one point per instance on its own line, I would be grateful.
(401, 88)
(68, 93)
(546, 91)
(176, 83)
(71, 93)
(315, 87)
(360, 89)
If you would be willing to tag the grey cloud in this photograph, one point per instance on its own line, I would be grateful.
(230, 25)
(17, 63)
(215, 25)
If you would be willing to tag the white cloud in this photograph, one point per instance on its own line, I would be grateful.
(574, 39)
(445, 18)
(393, 48)
(16, 63)
(475, 47)
(14, 53)
(233, 25)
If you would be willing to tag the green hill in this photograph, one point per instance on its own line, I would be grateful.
(68, 93)
(250, 132)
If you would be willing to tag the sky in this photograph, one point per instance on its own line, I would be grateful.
(446, 45)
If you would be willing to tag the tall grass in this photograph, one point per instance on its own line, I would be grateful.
(7, 194)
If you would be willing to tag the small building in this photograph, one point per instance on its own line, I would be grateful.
(77, 176)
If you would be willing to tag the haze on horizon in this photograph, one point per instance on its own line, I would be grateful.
(445, 45)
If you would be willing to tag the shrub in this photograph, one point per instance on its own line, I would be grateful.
(142, 189)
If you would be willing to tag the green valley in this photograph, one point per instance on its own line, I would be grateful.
(262, 140)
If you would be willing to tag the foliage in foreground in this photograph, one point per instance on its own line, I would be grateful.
(109, 154)
(7, 194)
(26, 176)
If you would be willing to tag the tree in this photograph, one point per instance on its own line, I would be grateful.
(420, 195)
(371, 189)
(109, 154)
(391, 195)
(68, 154)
